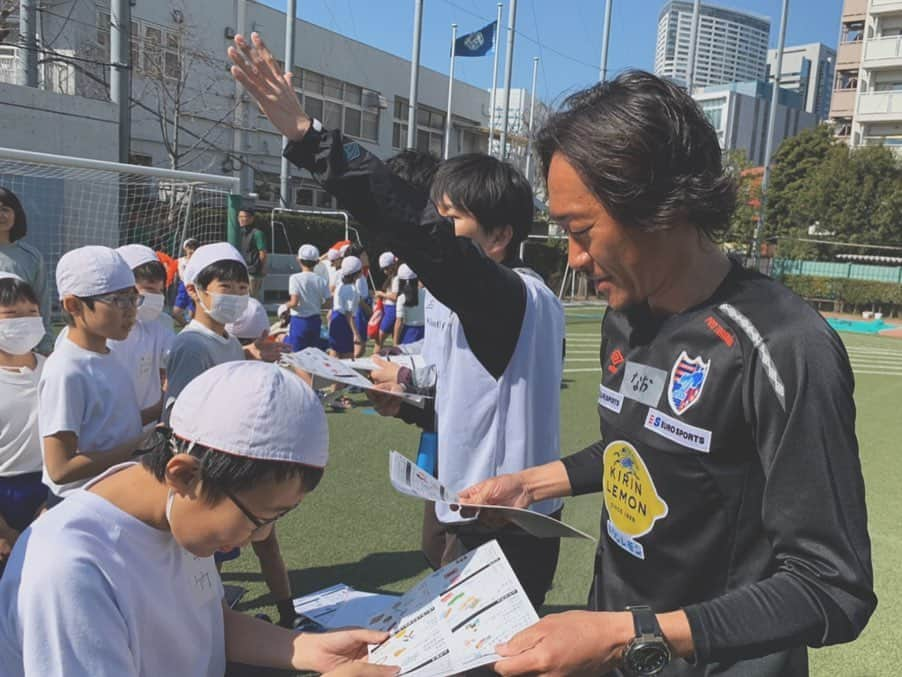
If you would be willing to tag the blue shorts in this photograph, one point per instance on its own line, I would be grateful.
(182, 300)
(303, 332)
(20, 498)
(410, 334)
(228, 556)
(341, 338)
(388, 319)
(362, 320)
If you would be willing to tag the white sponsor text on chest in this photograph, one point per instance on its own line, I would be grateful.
(675, 430)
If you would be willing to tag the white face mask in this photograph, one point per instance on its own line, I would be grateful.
(151, 307)
(18, 335)
(225, 308)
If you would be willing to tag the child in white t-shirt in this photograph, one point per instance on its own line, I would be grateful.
(22, 494)
(307, 294)
(343, 333)
(88, 415)
(411, 317)
(145, 351)
(388, 262)
(119, 579)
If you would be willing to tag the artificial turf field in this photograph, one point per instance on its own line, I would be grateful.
(357, 530)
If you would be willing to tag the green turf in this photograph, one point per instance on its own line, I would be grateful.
(356, 529)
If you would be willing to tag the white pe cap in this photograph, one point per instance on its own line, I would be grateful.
(210, 253)
(282, 309)
(92, 270)
(308, 252)
(351, 265)
(406, 273)
(252, 323)
(9, 276)
(333, 255)
(386, 259)
(256, 410)
(136, 255)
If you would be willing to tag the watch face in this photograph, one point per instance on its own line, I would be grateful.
(647, 659)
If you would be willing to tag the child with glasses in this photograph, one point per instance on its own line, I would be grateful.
(137, 592)
(88, 415)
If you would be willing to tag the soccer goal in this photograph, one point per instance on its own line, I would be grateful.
(71, 202)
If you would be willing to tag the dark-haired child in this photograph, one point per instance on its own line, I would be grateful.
(21, 491)
(411, 318)
(137, 592)
(307, 293)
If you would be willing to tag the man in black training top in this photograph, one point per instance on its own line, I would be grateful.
(253, 247)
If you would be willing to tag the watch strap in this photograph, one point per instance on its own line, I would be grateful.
(644, 620)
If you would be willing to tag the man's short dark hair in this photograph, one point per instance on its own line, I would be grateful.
(415, 167)
(223, 473)
(247, 210)
(646, 150)
(13, 291)
(225, 271)
(20, 223)
(150, 272)
(494, 192)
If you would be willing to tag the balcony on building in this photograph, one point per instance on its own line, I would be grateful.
(854, 10)
(879, 106)
(885, 6)
(851, 39)
(883, 53)
(842, 103)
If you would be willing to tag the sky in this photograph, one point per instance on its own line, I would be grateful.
(565, 34)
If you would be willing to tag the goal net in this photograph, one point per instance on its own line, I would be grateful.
(71, 202)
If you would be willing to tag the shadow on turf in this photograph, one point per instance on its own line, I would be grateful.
(370, 573)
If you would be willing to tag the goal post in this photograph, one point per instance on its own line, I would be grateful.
(70, 202)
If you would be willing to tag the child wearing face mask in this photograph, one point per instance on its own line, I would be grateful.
(21, 491)
(88, 414)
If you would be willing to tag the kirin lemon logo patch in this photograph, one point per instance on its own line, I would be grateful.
(630, 496)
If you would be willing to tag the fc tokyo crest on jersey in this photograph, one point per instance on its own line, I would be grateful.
(687, 378)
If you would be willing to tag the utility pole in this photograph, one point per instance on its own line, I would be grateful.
(771, 126)
(240, 104)
(447, 149)
(494, 81)
(120, 77)
(414, 75)
(693, 39)
(605, 41)
(532, 118)
(28, 43)
(291, 12)
(508, 72)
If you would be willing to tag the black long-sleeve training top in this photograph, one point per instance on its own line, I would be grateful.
(731, 478)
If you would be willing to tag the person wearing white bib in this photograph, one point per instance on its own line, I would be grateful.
(119, 580)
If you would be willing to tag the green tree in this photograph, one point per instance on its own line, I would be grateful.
(741, 230)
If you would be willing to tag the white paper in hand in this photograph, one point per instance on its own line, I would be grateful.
(410, 479)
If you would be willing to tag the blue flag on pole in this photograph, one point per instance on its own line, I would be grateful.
(477, 43)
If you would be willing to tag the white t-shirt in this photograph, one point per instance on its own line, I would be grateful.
(193, 351)
(312, 292)
(322, 269)
(414, 316)
(363, 289)
(20, 441)
(345, 299)
(90, 394)
(92, 590)
(334, 277)
(143, 354)
(393, 289)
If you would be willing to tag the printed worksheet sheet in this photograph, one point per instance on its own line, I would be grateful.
(410, 479)
(315, 361)
(341, 606)
(453, 620)
(366, 364)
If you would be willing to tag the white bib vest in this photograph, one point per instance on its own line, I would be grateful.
(488, 427)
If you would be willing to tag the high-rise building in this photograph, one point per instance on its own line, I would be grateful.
(731, 46)
(808, 70)
(867, 97)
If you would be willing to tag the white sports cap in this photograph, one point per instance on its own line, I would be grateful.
(252, 323)
(405, 272)
(333, 255)
(351, 265)
(386, 259)
(253, 409)
(210, 253)
(9, 276)
(308, 252)
(136, 255)
(92, 270)
(282, 310)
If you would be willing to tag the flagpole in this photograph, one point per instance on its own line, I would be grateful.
(605, 39)
(414, 75)
(508, 72)
(494, 81)
(532, 113)
(450, 92)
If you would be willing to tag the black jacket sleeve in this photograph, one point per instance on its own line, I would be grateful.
(813, 509)
(488, 298)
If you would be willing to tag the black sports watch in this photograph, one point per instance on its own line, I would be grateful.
(647, 653)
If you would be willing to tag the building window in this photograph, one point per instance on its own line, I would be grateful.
(155, 49)
(338, 104)
(430, 127)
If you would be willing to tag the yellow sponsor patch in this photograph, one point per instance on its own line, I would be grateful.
(632, 502)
